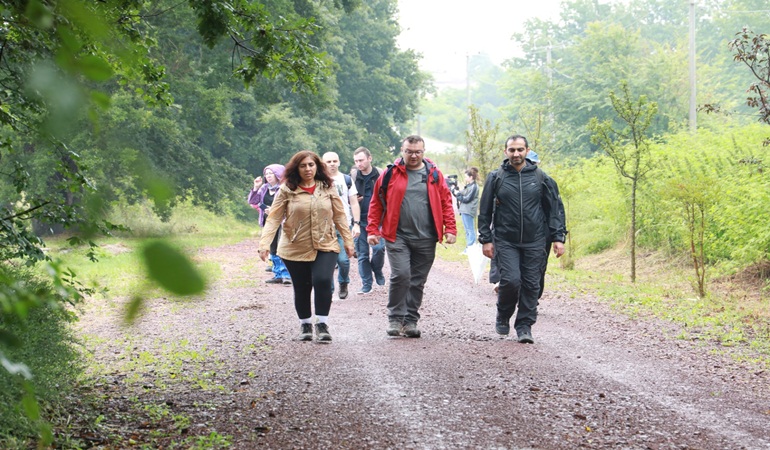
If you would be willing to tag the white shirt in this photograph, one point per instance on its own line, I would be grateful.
(345, 193)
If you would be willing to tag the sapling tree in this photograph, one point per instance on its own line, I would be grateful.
(485, 151)
(625, 141)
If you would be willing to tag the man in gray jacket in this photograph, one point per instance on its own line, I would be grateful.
(519, 209)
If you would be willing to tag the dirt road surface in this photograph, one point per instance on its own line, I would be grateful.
(594, 379)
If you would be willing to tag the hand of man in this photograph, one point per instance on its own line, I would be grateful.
(263, 254)
(373, 239)
(558, 249)
(450, 238)
(488, 250)
(356, 230)
(350, 251)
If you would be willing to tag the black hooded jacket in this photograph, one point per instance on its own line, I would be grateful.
(522, 211)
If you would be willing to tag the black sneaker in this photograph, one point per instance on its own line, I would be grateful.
(502, 325)
(380, 279)
(411, 330)
(343, 291)
(286, 281)
(305, 332)
(525, 336)
(394, 328)
(322, 332)
(274, 281)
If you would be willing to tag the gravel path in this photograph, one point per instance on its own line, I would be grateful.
(593, 379)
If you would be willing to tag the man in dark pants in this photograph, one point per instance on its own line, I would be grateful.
(519, 210)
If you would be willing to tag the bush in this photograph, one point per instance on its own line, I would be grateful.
(47, 346)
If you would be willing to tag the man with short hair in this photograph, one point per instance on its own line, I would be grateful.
(519, 210)
(412, 210)
(347, 192)
(369, 267)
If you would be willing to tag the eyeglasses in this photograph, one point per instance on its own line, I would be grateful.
(414, 153)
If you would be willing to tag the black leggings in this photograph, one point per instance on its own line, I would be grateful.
(318, 276)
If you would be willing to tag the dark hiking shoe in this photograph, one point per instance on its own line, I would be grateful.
(305, 332)
(343, 291)
(411, 330)
(380, 279)
(286, 281)
(394, 328)
(322, 332)
(525, 337)
(274, 281)
(502, 325)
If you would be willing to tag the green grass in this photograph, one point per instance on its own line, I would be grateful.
(120, 270)
(734, 326)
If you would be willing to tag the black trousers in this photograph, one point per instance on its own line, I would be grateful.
(521, 267)
(313, 276)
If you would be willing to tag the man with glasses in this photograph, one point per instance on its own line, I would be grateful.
(519, 210)
(412, 210)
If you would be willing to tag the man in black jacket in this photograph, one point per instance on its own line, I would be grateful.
(519, 210)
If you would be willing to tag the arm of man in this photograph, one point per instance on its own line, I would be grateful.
(355, 210)
(448, 213)
(486, 209)
(556, 220)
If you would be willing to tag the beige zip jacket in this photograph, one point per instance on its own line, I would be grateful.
(309, 223)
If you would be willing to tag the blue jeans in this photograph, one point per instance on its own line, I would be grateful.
(279, 268)
(366, 266)
(410, 263)
(470, 229)
(343, 262)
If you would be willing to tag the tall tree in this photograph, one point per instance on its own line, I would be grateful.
(627, 143)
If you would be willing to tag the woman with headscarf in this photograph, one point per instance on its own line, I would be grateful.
(261, 198)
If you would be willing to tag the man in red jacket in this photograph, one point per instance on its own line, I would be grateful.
(412, 209)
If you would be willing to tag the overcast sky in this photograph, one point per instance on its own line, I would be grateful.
(445, 31)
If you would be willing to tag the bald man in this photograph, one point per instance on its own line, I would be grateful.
(347, 191)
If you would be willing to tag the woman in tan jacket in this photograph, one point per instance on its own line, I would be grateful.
(311, 211)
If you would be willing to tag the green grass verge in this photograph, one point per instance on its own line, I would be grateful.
(729, 324)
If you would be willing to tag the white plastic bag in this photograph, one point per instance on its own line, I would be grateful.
(477, 261)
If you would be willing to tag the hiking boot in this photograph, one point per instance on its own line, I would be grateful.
(343, 291)
(305, 332)
(411, 330)
(502, 325)
(525, 336)
(322, 332)
(274, 281)
(286, 281)
(394, 328)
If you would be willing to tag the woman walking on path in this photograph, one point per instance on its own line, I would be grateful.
(468, 200)
(312, 213)
(261, 198)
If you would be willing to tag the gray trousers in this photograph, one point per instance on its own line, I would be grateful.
(410, 263)
(521, 267)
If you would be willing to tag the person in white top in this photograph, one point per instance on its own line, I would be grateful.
(347, 192)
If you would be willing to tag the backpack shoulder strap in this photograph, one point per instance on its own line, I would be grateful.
(348, 180)
(385, 182)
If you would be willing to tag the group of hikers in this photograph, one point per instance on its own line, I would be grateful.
(315, 218)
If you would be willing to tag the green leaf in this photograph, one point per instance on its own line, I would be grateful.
(95, 68)
(31, 408)
(134, 308)
(171, 269)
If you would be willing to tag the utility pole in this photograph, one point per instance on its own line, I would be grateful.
(468, 150)
(693, 120)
